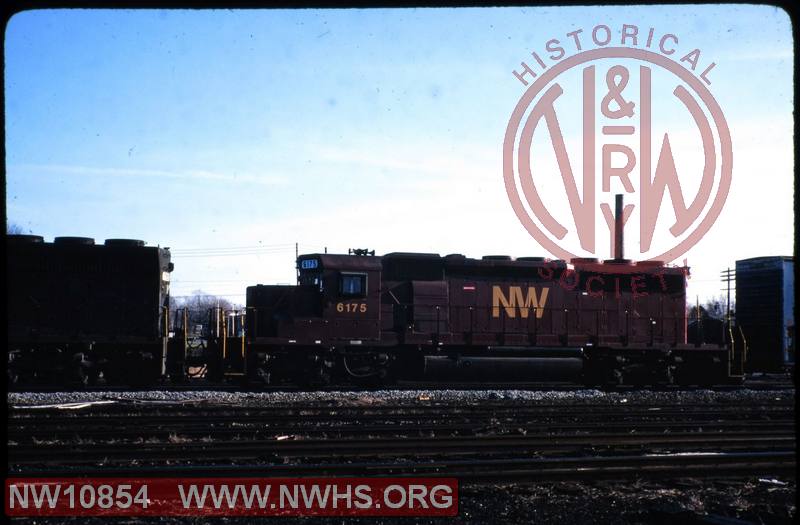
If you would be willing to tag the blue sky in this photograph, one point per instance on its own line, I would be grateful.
(253, 130)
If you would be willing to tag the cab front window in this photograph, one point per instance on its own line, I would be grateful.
(313, 278)
(310, 273)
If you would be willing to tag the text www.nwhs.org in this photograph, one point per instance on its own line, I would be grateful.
(316, 496)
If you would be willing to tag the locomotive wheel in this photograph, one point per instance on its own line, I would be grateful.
(319, 373)
(133, 369)
(82, 371)
(260, 369)
(142, 370)
(12, 376)
(12, 371)
(322, 377)
(669, 374)
(264, 376)
(616, 378)
(83, 374)
(114, 375)
(256, 378)
(387, 376)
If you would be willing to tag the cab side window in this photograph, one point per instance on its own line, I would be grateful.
(353, 284)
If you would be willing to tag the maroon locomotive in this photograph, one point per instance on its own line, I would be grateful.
(415, 315)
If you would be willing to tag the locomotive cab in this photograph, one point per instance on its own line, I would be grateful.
(349, 289)
(334, 306)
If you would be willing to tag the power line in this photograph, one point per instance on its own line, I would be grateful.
(230, 282)
(243, 280)
(218, 254)
(212, 293)
(243, 248)
(216, 248)
(229, 254)
(236, 253)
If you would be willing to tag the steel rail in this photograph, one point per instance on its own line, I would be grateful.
(703, 465)
(480, 445)
(355, 428)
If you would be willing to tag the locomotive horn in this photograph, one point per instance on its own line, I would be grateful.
(619, 252)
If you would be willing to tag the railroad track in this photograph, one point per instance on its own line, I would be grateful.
(131, 422)
(110, 406)
(268, 449)
(375, 431)
(486, 442)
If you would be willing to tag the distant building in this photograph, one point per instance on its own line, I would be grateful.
(765, 310)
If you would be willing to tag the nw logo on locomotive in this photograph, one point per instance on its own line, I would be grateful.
(515, 301)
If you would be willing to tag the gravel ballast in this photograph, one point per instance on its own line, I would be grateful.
(411, 397)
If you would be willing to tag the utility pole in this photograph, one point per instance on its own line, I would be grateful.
(727, 276)
(699, 319)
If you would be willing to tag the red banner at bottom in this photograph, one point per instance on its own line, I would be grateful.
(231, 497)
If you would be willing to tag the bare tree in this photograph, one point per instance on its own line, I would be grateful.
(12, 228)
(199, 307)
(712, 308)
(717, 307)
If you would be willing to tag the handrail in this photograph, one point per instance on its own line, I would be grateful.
(584, 319)
(744, 346)
(469, 320)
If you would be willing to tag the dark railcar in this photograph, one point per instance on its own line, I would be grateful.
(765, 311)
(77, 309)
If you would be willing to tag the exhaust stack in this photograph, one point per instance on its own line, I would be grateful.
(619, 252)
